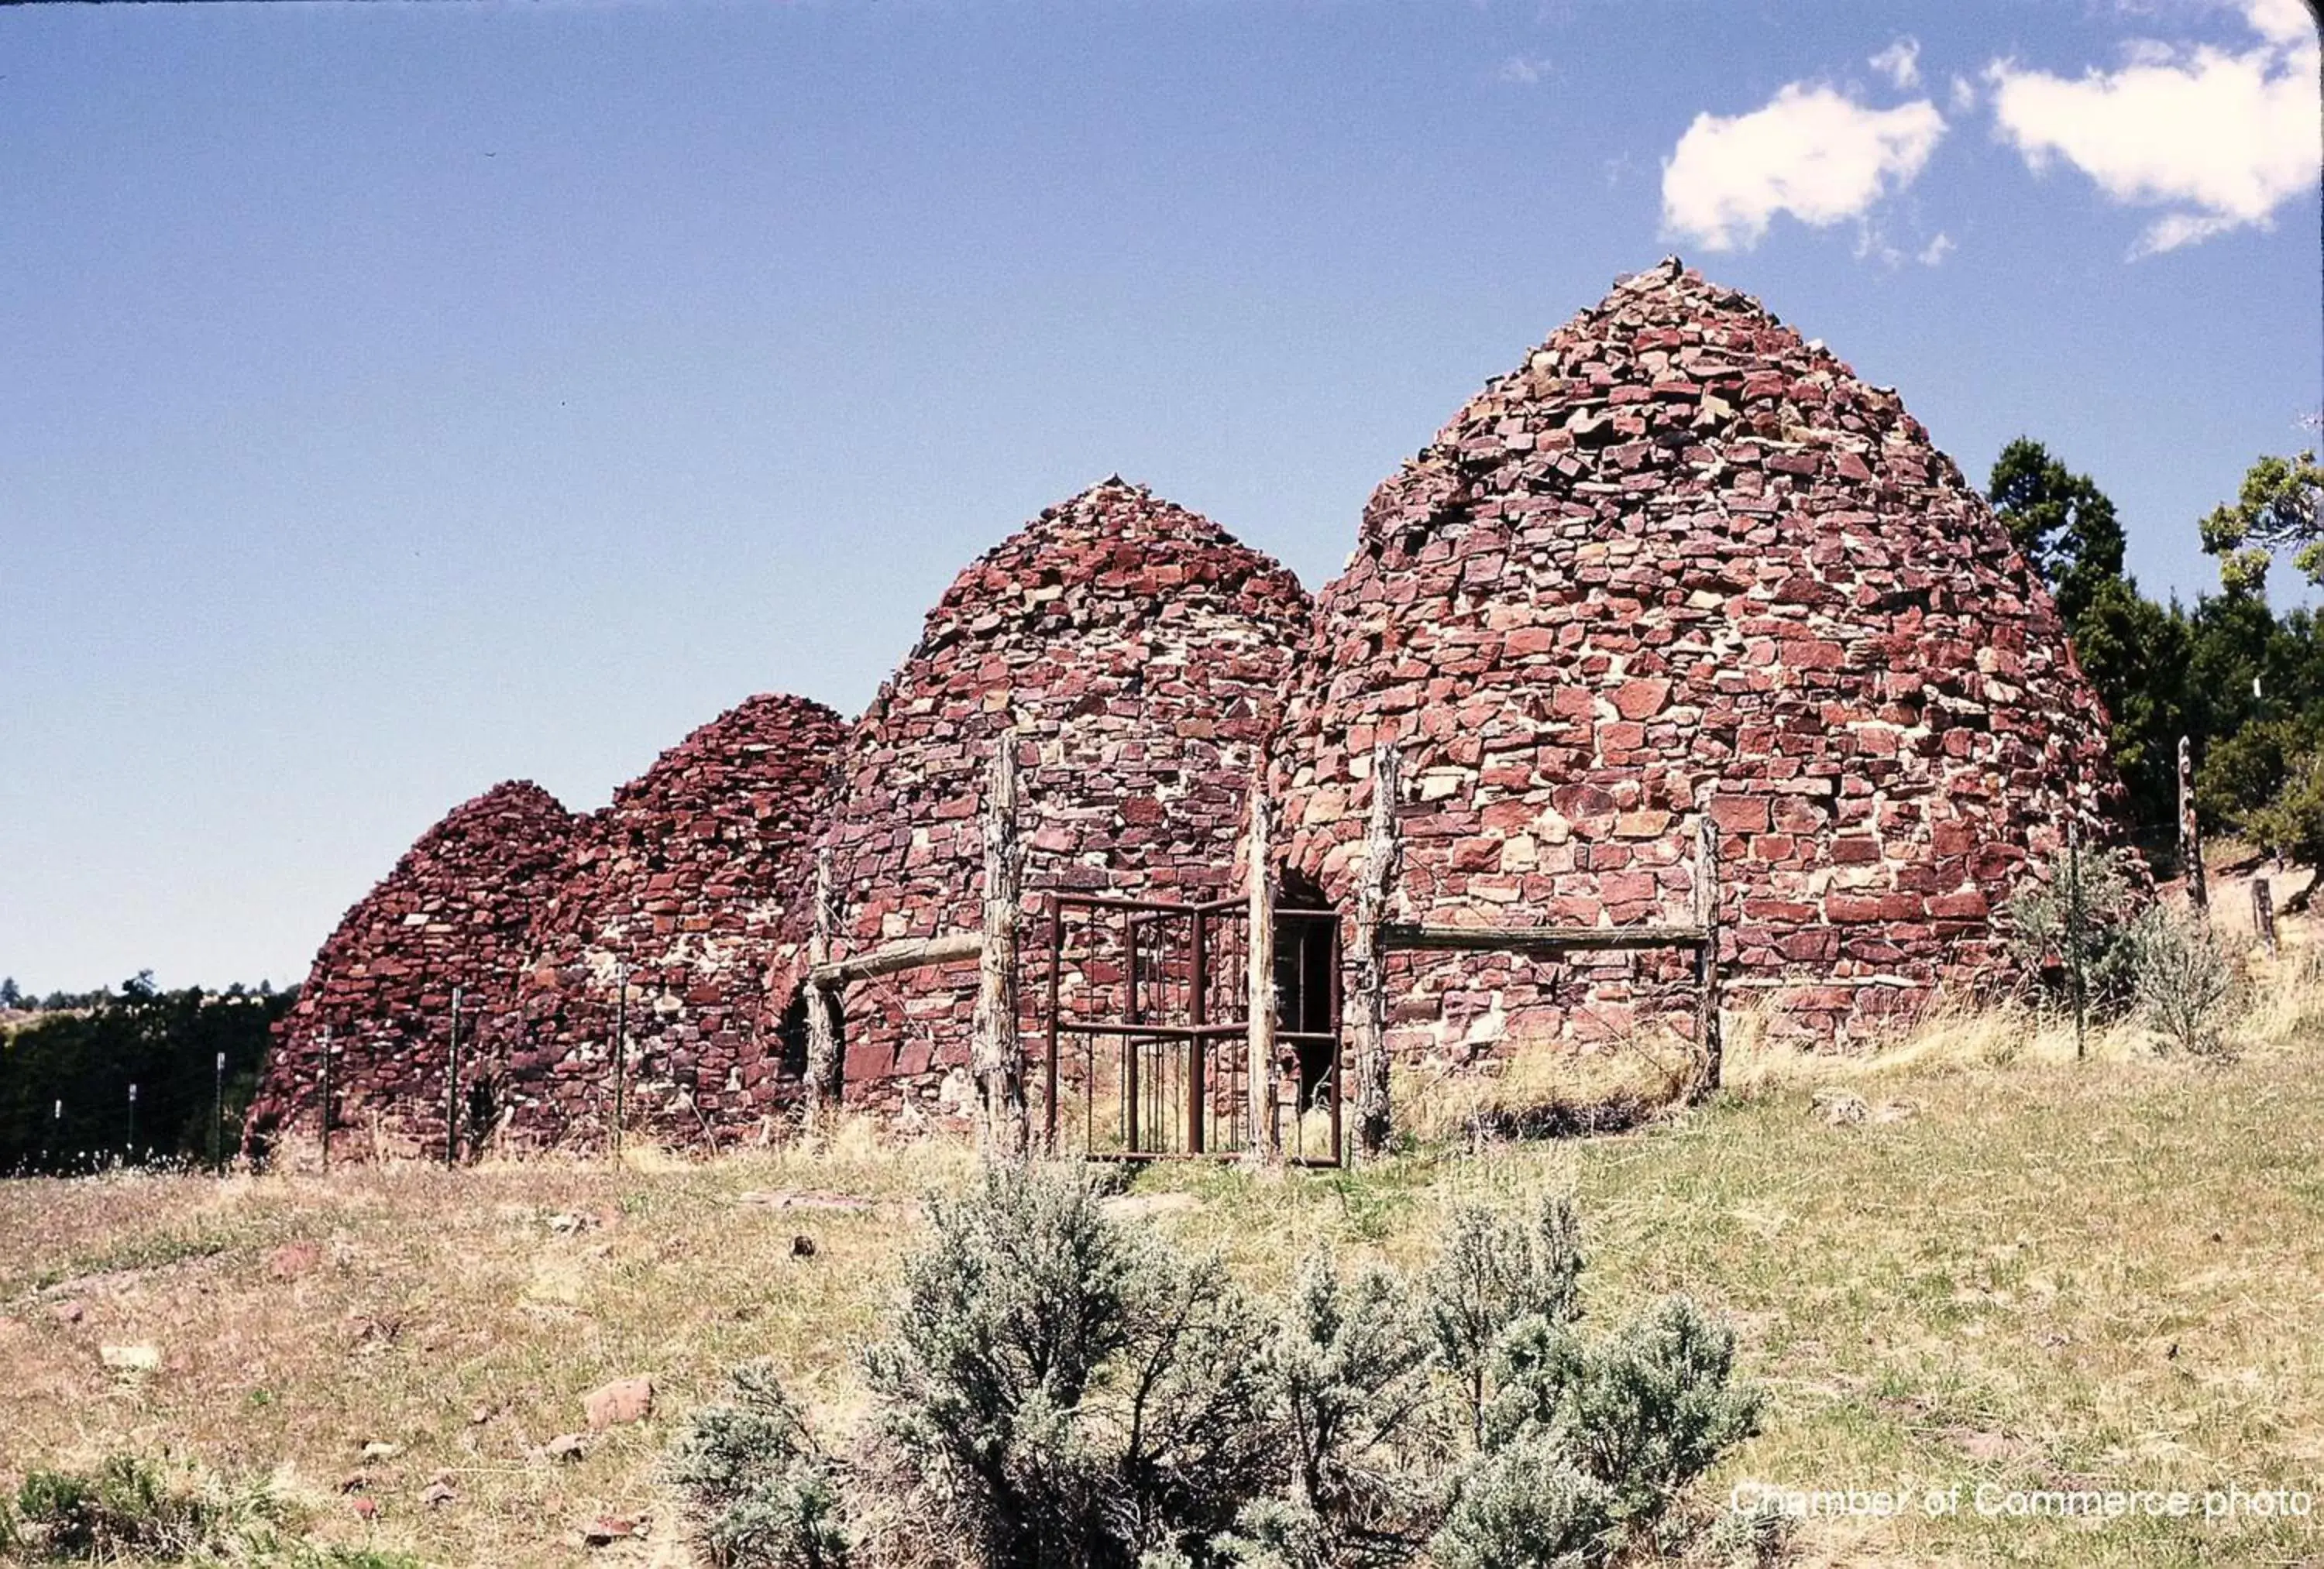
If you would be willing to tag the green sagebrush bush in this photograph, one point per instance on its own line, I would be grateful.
(758, 1492)
(1060, 1390)
(125, 1507)
(130, 1508)
(2187, 986)
(2079, 907)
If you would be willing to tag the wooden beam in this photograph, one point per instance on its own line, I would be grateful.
(998, 1065)
(1398, 934)
(2190, 832)
(1266, 1140)
(913, 953)
(823, 1066)
(1373, 1123)
(2263, 913)
(1710, 1047)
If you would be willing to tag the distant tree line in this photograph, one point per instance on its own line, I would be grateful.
(2245, 684)
(66, 1073)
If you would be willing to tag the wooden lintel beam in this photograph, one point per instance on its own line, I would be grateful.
(895, 957)
(1537, 939)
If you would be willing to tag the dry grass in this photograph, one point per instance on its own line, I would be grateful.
(2020, 1270)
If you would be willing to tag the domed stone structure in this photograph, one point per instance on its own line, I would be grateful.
(682, 884)
(1139, 653)
(452, 913)
(1680, 562)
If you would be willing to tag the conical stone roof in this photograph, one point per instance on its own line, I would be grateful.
(1681, 561)
(452, 913)
(1140, 652)
(685, 880)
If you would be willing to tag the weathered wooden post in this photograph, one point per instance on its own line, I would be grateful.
(452, 1088)
(2190, 832)
(823, 1066)
(2263, 914)
(1266, 1142)
(1708, 1042)
(1380, 848)
(999, 1067)
(218, 1115)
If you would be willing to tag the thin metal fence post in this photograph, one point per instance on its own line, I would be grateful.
(218, 1115)
(452, 1088)
(329, 1053)
(2074, 928)
(621, 1052)
(130, 1153)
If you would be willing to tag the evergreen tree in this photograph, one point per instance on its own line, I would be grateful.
(2063, 523)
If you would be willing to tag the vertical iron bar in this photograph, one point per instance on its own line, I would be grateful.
(1338, 1001)
(1056, 962)
(1131, 1044)
(1198, 1009)
(218, 1115)
(130, 1153)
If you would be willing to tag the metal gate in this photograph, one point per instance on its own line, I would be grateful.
(1147, 1023)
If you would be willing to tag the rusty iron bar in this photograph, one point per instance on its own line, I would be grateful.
(1056, 962)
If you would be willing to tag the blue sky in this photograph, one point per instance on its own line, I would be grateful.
(398, 398)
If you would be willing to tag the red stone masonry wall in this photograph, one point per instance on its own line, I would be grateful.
(1681, 560)
(1141, 653)
(452, 913)
(686, 877)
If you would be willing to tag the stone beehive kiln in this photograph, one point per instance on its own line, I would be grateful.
(1139, 654)
(452, 913)
(1681, 561)
(685, 880)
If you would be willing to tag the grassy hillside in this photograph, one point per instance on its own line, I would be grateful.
(2011, 1269)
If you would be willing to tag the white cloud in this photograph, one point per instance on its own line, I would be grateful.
(1523, 71)
(1963, 95)
(2218, 138)
(1936, 250)
(1811, 152)
(2285, 22)
(1900, 62)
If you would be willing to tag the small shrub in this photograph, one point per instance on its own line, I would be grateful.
(2078, 907)
(759, 1494)
(2186, 986)
(1524, 1504)
(1352, 1368)
(1062, 1389)
(1495, 1270)
(125, 1507)
(1653, 1406)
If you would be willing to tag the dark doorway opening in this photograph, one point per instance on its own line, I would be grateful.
(1307, 985)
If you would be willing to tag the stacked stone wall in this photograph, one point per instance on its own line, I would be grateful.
(1681, 561)
(453, 913)
(682, 884)
(1139, 653)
